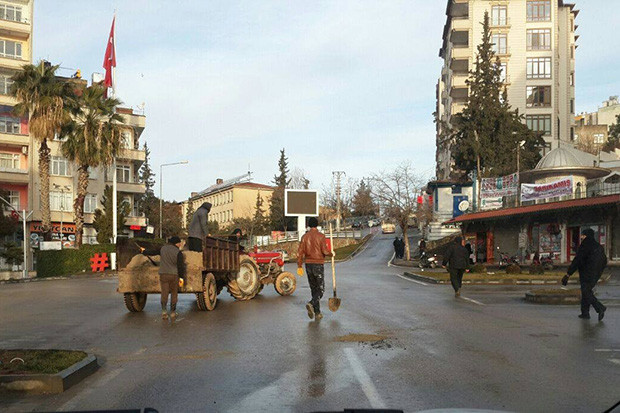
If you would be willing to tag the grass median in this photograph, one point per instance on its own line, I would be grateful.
(38, 361)
(497, 276)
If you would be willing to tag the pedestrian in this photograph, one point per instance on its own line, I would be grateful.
(457, 261)
(590, 261)
(171, 267)
(198, 227)
(401, 248)
(470, 251)
(422, 246)
(312, 251)
(396, 245)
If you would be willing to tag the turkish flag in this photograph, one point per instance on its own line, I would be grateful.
(109, 60)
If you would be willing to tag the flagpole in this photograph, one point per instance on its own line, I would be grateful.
(114, 172)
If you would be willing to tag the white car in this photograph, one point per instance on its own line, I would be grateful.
(388, 228)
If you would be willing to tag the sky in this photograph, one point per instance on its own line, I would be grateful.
(340, 85)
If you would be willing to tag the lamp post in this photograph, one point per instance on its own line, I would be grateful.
(519, 146)
(62, 188)
(161, 199)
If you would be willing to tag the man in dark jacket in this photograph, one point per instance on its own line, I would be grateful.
(198, 228)
(457, 260)
(396, 245)
(590, 261)
(170, 269)
(313, 250)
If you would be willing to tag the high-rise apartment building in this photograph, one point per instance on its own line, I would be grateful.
(535, 42)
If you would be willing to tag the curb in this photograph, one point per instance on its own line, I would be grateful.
(553, 299)
(512, 281)
(64, 277)
(50, 383)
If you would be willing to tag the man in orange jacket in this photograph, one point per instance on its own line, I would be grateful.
(313, 250)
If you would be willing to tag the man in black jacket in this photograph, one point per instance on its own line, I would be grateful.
(590, 261)
(457, 260)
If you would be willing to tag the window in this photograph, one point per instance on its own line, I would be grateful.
(10, 125)
(539, 39)
(572, 79)
(123, 173)
(498, 16)
(61, 201)
(12, 49)
(538, 10)
(5, 84)
(60, 166)
(539, 68)
(539, 123)
(14, 199)
(90, 203)
(503, 72)
(572, 106)
(538, 96)
(9, 160)
(126, 140)
(8, 12)
(599, 138)
(500, 43)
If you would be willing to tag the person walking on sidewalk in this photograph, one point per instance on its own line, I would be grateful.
(590, 261)
(457, 260)
(313, 250)
(171, 267)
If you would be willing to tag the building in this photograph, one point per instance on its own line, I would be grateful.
(606, 114)
(535, 41)
(592, 137)
(449, 199)
(231, 199)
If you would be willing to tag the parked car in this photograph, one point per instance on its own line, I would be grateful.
(374, 223)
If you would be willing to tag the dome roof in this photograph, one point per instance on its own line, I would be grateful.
(559, 158)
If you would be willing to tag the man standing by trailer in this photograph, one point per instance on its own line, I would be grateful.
(198, 228)
(590, 261)
(313, 250)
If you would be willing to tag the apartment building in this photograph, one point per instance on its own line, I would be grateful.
(535, 41)
(230, 200)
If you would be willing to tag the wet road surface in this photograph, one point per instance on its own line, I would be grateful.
(394, 343)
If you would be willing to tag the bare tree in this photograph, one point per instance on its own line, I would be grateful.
(396, 193)
(298, 179)
(347, 193)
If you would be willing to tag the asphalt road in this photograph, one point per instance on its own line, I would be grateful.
(486, 350)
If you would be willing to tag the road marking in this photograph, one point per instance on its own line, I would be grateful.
(611, 350)
(389, 263)
(615, 361)
(409, 279)
(472, 300)
(364, 379)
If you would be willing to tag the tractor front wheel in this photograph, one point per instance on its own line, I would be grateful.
(285, 284)
(246, 283)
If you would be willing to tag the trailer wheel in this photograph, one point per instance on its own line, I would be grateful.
(135, 302)
(207, 299)
(285, 284)
(246, 284)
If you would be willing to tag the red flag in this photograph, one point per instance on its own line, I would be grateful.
(109, 60)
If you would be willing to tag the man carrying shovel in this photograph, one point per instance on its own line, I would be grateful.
(313, 250)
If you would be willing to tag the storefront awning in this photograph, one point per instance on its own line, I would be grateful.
(533, 209)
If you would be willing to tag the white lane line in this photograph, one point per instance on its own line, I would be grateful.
(364, 379)
(389, 263)
(472, 300)
(615, 361)
(409, 279)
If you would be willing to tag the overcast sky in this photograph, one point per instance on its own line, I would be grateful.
(341, 85)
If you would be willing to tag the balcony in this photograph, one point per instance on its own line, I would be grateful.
(12, 62)
(458, 9)
(457, 108)
(131, 187)
(17, 29)
(14, 175)
(132, 154)
(461, 24)
(14, 139)
(459, 94)
(459, 80)
(460, 53)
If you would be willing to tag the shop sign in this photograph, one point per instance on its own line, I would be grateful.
(497, 187)
(490, 203)
(532, 192)
(68, 234)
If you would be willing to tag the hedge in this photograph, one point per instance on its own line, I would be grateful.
(69, 261)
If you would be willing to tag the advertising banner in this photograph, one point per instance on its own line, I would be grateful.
(490, 203)
(498, 187)
(532, 192)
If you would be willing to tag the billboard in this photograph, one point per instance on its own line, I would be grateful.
(498, 187)
(298, 202)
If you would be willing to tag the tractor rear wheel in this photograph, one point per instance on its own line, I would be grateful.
(285, 284)
(135, 302)
(207, 299)
(246, 283)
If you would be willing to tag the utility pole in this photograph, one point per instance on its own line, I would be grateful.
(338, 175)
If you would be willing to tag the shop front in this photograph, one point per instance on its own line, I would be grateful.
(66, 235)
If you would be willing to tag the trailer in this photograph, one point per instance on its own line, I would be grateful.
(219, 265)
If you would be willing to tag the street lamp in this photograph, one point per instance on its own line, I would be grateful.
(62, 188)
(161, 199)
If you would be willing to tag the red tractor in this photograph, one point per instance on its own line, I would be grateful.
(271, 268)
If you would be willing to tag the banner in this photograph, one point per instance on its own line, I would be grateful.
(498, 187)
(532, 192)
(490, 203)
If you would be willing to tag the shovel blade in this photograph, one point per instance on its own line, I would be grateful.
(334, 304)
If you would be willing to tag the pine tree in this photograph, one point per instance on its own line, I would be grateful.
(362, 202)
(487, 132)
(613, 140)
(146, 173)
(189, 214)
(148, 203)
(103, 218)
(277, 219)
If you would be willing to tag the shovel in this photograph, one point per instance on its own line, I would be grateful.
(334, 302)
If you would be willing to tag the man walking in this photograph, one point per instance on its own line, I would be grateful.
(170, 269)
(590, 261)
(457, 260)
(313, 250)
(198, 228)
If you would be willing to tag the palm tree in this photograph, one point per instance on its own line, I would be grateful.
(41, 96)
(93, 139)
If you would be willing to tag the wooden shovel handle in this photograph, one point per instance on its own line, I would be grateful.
(331, 244)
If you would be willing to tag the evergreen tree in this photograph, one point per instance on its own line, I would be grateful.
(189, 214)
(148, 203)
(258, 223)
(282, 180)
(613, 140)
(147, 176)
(362, 202)
(277, 219)
(487, 133)
(103, 218)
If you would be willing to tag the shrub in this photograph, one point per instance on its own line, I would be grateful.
(69, 261)
(478, 269)
(537, 269)
(513, 269)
